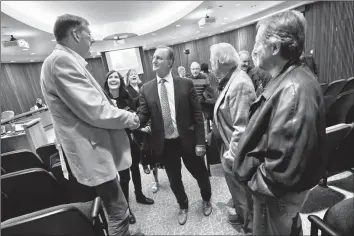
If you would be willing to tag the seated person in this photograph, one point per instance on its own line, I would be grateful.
(39, 104)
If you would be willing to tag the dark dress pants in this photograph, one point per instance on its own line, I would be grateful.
(171, 159)
(125, 175)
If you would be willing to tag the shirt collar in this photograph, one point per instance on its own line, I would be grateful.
(168, 77)
(79, 58)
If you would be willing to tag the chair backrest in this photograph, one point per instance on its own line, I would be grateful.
(62, 220)
(334, 136)
(20, 160)
(323, 87)
(344, 153)
(328, 101)
(45, 151)
(335, 87)
(340, 217)
(339, 109)
(349, 85)
(350, 115)
(31, 190)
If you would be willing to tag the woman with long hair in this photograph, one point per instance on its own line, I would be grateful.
(133, 87)
(114, 86)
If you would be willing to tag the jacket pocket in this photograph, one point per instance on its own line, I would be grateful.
(97, 136)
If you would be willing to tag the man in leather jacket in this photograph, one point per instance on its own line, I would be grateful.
(279, 155)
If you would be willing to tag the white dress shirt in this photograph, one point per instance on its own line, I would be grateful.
(171, 101)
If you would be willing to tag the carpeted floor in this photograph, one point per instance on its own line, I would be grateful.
(161, 218)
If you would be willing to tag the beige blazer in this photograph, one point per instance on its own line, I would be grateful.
(231, 109)
(86, 124)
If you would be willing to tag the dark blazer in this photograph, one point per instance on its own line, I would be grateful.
(134, 94)
(189, 116)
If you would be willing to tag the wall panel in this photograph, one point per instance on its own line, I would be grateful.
(20, 83)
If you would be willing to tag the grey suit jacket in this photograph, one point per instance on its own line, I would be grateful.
(86, 124)
(232, 108)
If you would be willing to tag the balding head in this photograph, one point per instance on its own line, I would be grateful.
(223, 57)
(245, 60)
(195, 69)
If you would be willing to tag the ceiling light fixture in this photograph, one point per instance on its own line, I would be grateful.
(31, 60)
(223, 23)
(25, 49)
(13, 61)
(53, 40)
(153, 34)
(178, 25)
(238, 4)
(115, 37)
(33, 53)
(225, 18)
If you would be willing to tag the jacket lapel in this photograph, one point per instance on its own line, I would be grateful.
(177, 89)
(155, 94)
(223, 93)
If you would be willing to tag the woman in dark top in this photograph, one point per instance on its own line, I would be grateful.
(133, 87)
(115, 88)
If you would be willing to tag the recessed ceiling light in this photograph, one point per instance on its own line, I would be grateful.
(223, 23)
(31, 60)
(25, 49)
(238, 4)
(222, 31)
(153, 34)
(178, 25)
(33, 53)
(115, 37)
(54, 40)
(197, 38)
(13, 61)
(174, 38)
(225, 18)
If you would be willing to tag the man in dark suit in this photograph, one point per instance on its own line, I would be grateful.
(177, 128)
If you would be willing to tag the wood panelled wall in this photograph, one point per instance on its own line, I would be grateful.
(242, 39)
(330, 34)
(20, 86)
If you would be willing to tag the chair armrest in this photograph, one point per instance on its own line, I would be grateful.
(318, 224)
(96, 206)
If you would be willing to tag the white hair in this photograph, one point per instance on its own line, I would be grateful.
(195, 63)
(225, 53)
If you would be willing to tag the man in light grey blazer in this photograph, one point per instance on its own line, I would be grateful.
(230, 120)
(89, 129)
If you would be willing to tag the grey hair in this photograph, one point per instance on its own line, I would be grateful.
(244, 52)
(225, 53)
(288, 28)
(195, 63)
(180, 67)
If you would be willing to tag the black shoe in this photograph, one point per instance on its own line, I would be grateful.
(140, 198)
(182, 216)
(207, 208)
(132, 219)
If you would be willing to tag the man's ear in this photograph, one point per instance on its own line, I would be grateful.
(276, 48)
(75, 35)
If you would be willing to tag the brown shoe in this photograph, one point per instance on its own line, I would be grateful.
(207, 208)
(182, 216)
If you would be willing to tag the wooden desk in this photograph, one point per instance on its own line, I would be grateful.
(32, 138)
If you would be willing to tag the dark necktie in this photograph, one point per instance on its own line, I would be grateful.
(166, 112)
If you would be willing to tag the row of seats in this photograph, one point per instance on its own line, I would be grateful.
(336, 87)
(37, 200)
(340, 108)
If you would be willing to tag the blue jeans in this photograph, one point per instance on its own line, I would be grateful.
(116, 207)
(278, 216)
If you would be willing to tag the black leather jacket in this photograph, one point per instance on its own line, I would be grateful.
(281, 148)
